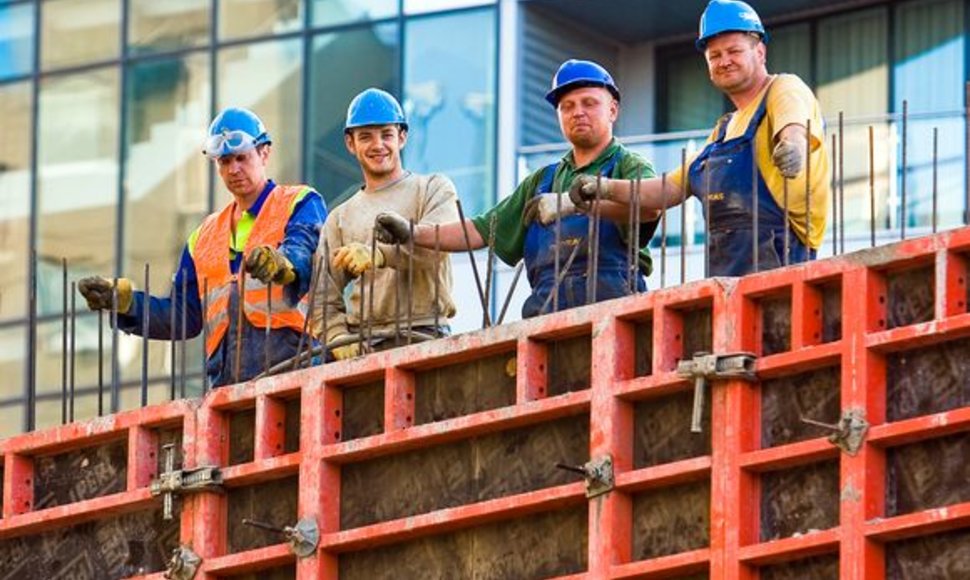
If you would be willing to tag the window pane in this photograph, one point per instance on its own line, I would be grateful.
(789, 51)
(330, 12)
(16, 40)
(451, 105)
(14, 197)
(163, 26)
(77, 179)
(75, 32)
(275, 98)
(167, 181)
(13, 358)
(241, 18)
(689, 100)
(419, 6)
(853, 74)
(361, 58)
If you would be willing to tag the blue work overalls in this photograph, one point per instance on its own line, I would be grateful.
(726, 167)
(539, 254)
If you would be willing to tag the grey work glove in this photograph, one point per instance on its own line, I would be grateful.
(789, 157)
(586, 188)
(543, 208)
(392, 228)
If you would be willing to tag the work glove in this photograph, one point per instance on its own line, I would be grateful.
(543, 208)
(585, 188)
(267, 264)
(97, 291)
(349, 350)
(789, 156)
(392, 228)
(355, 259)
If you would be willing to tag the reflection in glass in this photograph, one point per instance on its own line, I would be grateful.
(275, 97)
(164, 26)
(360, 58)
(331, 12)
(77, 175)
(14, 197)
(420, 6)
(167, 180)
(16, 40)
(242, 18)
(451, 105)
(12, 357)
(75, 32)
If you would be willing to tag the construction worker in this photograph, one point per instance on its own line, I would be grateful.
(587, 101)
(268, 231)
(768, 127)
(391, 278)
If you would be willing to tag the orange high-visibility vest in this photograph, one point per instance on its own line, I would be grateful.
(212, 264)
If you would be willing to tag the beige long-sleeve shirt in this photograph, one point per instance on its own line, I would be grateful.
(427, 199)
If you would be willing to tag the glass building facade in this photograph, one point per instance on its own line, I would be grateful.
(105, 104)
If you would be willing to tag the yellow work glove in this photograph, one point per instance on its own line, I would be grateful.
(267, 264)
(97, 291)
(355, 259)
(350, 350)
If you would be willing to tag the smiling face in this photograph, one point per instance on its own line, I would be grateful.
(586, 117)
(736, 62)
(378, 150)
(244, 174)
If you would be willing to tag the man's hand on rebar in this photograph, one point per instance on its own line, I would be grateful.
(392, 228)
(586, 188)
(98, 292)
(347, 351)
(542, 207)
(355, 258)
(789, 153)
(267, 264)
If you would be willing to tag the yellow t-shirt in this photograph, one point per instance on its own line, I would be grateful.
(789, 101)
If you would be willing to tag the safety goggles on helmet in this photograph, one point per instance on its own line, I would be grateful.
(228, 143)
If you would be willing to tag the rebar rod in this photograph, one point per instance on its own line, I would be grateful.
(410, 294)
(556, 250)
(936, 132)
(205, 335)
(755, 202)
(373, 281)
(115, 383)
(145, 322)
(173, 310)
(808, 187)
(184, 320)
(902, 204)
(835, 204)
(631, 259)
(595, 258)
(663, 232)
(872, 189)
(240, 294)
(269, 326)
(685, 185)
(707, 219)
(508, 297)
(100, 363)
(841, 183)
(437, 276)
(71, 382)
(787, 209)
(471, 257)
(64, 330)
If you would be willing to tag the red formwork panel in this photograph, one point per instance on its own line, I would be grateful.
(743, 469)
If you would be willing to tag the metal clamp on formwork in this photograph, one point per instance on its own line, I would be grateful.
(183, 564)
(849, 433)
(598, 474)
(172, 482)
(706, 366)
(303, 538)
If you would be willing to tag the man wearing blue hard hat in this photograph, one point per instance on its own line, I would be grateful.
(752, 158)
(534, 218)
(266, 236)
(399, 286)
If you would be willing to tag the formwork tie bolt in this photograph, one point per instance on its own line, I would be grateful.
(848, 434)
(598, 474)
(183, 564)
(303, 538)
(706, 366)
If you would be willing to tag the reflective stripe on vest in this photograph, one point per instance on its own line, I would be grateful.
(212, 257)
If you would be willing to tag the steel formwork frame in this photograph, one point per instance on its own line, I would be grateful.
(733, 468)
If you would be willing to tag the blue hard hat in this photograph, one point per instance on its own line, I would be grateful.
(234, 130)
(722, 16)
(576, 74)
(374, 107)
